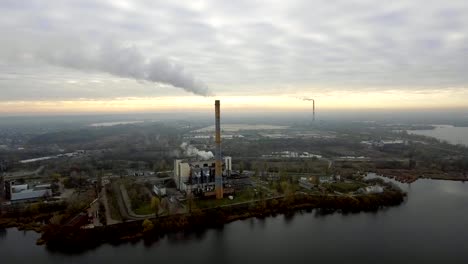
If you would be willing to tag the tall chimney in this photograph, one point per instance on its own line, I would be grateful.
(313, 109)
(218, 169)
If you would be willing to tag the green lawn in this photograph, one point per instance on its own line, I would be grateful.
(241, 196)
(144, 209)
(344, 186)
(113, 206)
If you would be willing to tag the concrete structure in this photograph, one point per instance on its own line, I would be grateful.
(218, 172)
(199, 175)
(325, 179)
(30, 195)
(159, 191)
(24, 192)
(313, 109)
(384, 143)
(292, 154)
(307, 183)
(227, 166)
(205, 177)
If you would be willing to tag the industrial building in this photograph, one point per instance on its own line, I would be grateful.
(205, 177)
(198, 176)
(23, 192)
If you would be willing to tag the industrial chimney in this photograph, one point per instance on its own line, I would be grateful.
(313, 109)
(218, 169)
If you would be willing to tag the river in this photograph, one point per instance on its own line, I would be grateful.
(430, 227)
(451, 134)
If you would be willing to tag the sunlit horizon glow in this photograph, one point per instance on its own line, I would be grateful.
(388, 100)
(164, 56)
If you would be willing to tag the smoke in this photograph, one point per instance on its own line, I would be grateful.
(307, 99)
(192, 151)
(118, 60)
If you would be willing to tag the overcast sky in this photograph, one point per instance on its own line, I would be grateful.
(112, 50)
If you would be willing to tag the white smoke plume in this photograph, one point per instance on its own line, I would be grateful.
(119, 60)
(192, 151)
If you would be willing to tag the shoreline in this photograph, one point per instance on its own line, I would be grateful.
(410, 176)
(66, 239)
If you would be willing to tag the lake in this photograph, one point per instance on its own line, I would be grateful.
(106, 124)
(430, 227)
(451, 134)
(240, 127)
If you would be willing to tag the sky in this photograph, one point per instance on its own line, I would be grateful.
(89, 56)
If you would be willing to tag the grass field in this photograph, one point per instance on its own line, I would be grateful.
(113, 205)
(144, 209)
(344, 187)
(242, 196)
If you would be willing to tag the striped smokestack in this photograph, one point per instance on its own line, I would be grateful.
(218, 169)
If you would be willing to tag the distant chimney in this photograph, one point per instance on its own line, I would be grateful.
(313, 109)
(218, 166)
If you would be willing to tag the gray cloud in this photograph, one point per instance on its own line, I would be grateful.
(121, 61)
(241, 47)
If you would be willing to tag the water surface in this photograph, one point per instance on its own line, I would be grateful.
(430, 227)
(451, 134)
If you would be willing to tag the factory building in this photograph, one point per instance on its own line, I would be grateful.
(23, 192)
(206, 177)
(198, 176)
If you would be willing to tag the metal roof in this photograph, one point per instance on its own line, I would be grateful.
(26, 195)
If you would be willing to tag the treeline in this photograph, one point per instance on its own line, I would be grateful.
(323, 146)
(30, 216)
(108, 137)
(70, 239)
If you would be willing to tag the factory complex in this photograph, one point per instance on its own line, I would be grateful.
(205, 177)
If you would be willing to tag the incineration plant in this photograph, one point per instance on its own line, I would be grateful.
(205, 177)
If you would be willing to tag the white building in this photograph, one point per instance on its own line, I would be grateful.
(198, 173)
(23, 192)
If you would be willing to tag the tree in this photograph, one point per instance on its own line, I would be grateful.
(34, 208)
(286, 186)
(190, 201)
(155, 204)
(56, 176)
(147, 225)
(283, 174)
(288, 192)
(56, 219)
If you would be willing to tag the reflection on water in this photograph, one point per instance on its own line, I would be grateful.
(289, 217)
(3, 233)
(428, 228)
(455, 190)
(451, 134)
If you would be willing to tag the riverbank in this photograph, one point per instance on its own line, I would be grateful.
(33, 216)
(410, 176)
(68, 239)
(35, 223)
